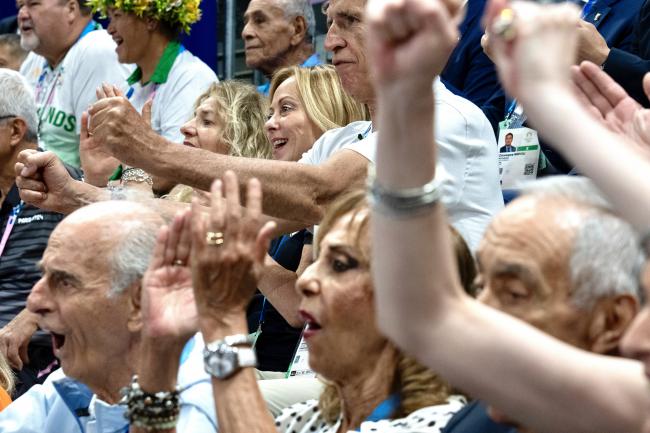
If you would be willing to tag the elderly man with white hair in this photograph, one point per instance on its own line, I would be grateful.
(279, 33)
(25, 233)
(106, 269)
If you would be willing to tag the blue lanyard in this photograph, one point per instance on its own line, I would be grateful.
(365, 133)
(385, 410)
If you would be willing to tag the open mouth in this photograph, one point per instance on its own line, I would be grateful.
(188, 143)
(58, 340)
(278, 143)
(311, 325)
(118, 41)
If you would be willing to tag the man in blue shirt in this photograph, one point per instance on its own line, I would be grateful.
(279, 33)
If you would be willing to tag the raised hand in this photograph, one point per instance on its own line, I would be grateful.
(97, 164)
(532, 45)
(167, 299)
(228, 250)
(43, 181)
(410, 39)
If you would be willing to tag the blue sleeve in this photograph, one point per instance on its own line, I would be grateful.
(628, 70)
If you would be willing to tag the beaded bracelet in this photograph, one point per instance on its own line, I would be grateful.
(150, 411)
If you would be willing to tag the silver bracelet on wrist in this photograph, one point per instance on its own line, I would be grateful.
(404, 202)
(150, 411)
(132, 174)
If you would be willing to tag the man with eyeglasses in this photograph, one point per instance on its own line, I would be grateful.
(25, 230)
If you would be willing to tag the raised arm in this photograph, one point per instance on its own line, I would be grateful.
(421, 307)
(292, 191)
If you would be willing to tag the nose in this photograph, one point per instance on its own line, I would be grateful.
(333, 42)
(22, 13)
(271, 124)
(636, 342)
(40, 299)
(308, 284)
(111, 27)
(247, 32)
(188, 129)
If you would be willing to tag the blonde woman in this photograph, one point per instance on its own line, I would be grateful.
(6, 382)
(306, 102)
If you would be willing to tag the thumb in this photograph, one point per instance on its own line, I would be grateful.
(146, 112)
(646, 84)
(492, 10)
(22, 352)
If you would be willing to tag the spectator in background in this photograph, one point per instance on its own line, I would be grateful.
(6, 382)
(167, 74)
(31, 357)
(9, 24)
(70, 57)
(279, 33)
(12, 54)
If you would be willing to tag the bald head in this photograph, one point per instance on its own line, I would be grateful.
(121, 234)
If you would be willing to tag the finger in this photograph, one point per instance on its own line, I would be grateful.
(263, 240)
(108, 90)
(253, 208)
(14, 358)
(146, 112)
(198, 227)
(101, 105)
(23, 352)
(99, 92)
(32, 197)
(492, 11)
(606, 86)
(29, 184)
(233, 203)
(117, 91)
(157, 257)
(395, 26)
(184, 246)
(172, 241)
(646, 84)
(217, 206)
(592, 93)
(83, 135)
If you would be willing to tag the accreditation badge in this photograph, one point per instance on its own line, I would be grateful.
(299, 366)
(518, 156)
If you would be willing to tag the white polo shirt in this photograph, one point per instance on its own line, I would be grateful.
(467, 160)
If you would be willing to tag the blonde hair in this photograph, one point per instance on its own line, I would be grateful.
(416, 385)
(7, 379)
(320, 91)
(243, 112)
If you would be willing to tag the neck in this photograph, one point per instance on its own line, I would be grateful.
(54, 58)
(7, 170)
(115, 375)
(152, 56)
(372, 107)
(295, 56)
(363, 391)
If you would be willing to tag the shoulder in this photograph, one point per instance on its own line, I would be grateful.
(345, 134)
(190, 68)
(429, 419)
(95, 44)
(301, 417)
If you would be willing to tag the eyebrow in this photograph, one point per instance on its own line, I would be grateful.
(58, 274)
(518, 271)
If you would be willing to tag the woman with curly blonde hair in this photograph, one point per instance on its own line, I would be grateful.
(7, 382)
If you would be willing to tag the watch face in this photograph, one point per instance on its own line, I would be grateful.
(222, 362)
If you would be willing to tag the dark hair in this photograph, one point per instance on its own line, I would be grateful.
(510, 134)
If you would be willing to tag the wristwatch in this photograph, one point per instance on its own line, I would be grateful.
(224, 358)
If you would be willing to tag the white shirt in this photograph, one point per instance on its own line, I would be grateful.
(66, 91)
(306, 418)
(467, 166)
(173, 102)
(47, 408)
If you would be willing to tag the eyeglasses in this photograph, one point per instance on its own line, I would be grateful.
(9, 116)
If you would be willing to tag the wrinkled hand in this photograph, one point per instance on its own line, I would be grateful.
(225, 276)
(15, 337)
(97, 164)
(119, 129)
(410, 40)
(167, 300)
(542, 49)
(591, 45)
(43, 181)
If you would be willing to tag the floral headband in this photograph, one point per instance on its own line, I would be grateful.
(178, 13)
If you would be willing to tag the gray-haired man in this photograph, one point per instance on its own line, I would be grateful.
(279, 33)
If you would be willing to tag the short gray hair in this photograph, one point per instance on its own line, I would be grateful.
(606, 254)
(301, 8)
(17, 99)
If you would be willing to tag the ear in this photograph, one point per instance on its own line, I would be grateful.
(134, 322)
(18, 131)
(152, 25)
(610, 319)
(299, 30)
(72, 9)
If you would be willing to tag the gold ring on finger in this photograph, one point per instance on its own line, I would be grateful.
(179, 262)
(214, 238)
(504, 25)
